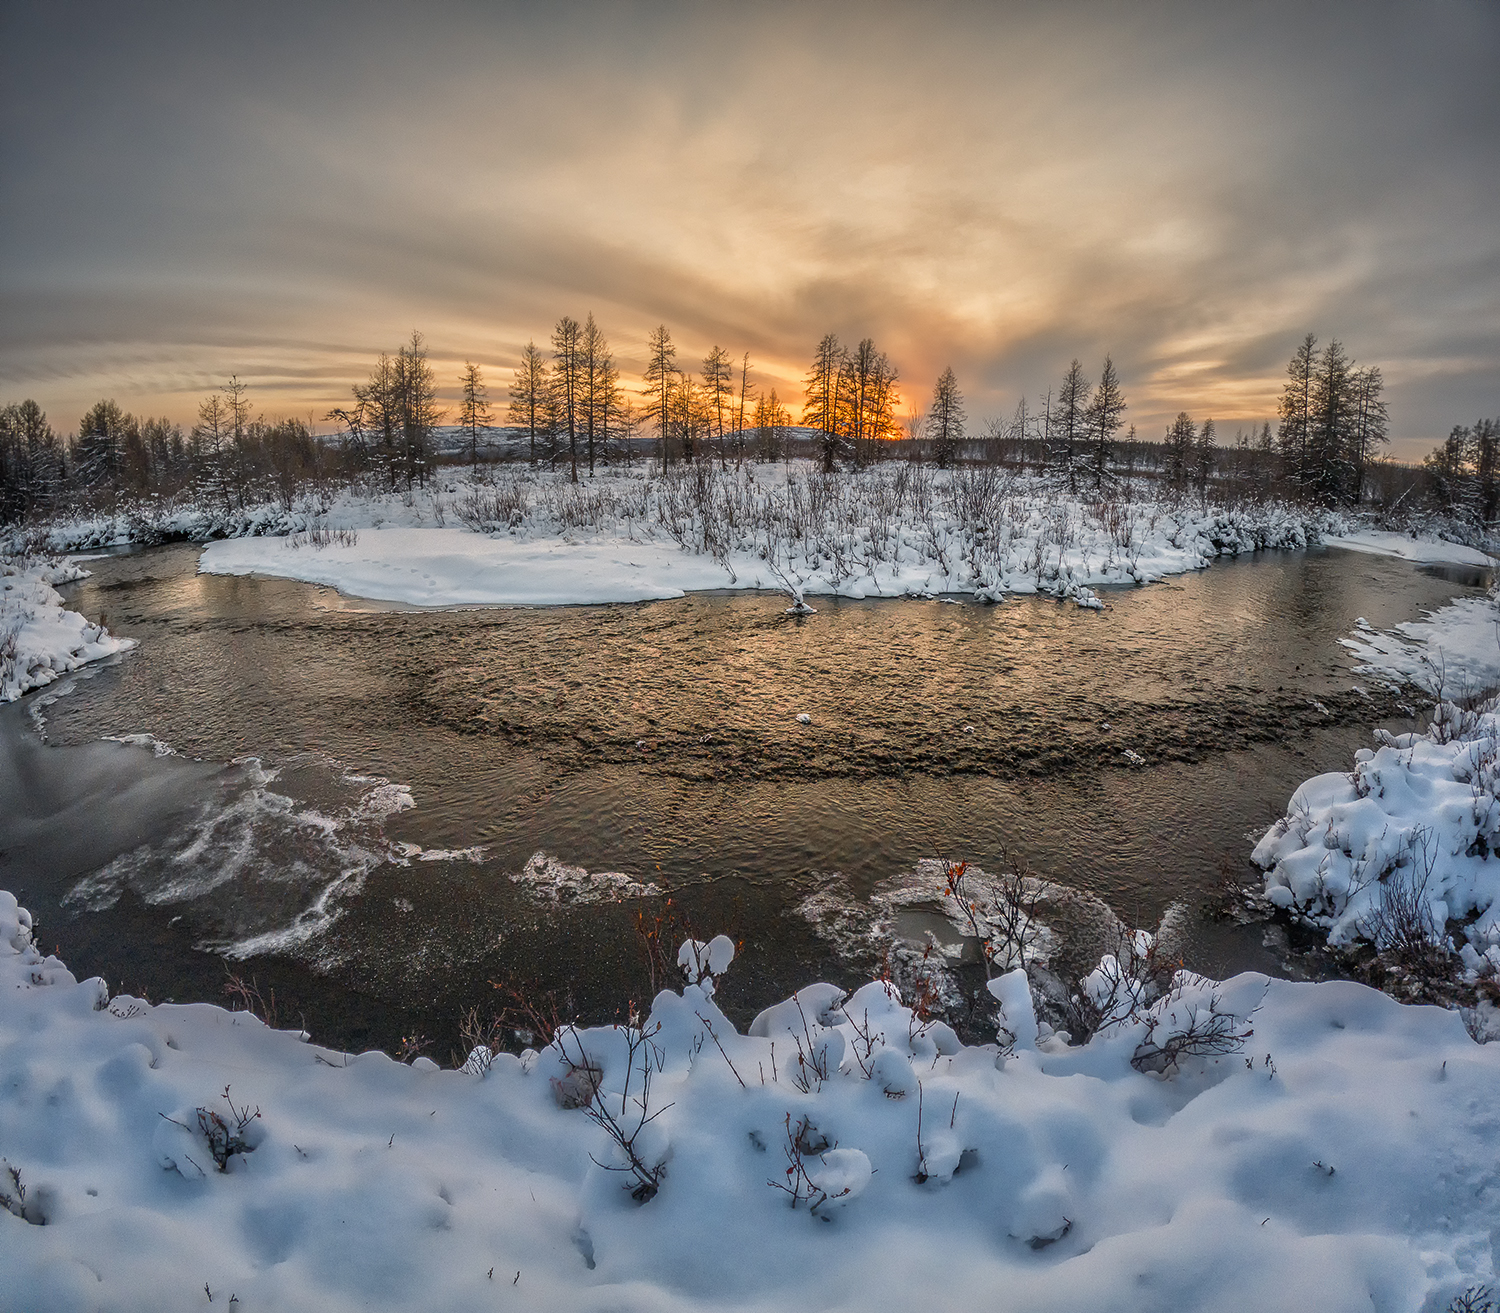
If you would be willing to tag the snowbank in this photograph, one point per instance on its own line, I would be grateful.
(1410, 547)
(842, 1154)
(1417, 819)
(1416, 823)
(888, 531)
(1453, 651)
(40, 639)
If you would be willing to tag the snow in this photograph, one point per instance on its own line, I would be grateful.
(1419, 813)
(1411, 547)
(889, 531)
(1342, 1160)
(1453, 650)
(40, 639)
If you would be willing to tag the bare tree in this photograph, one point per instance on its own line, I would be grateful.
(739, 409)
(568, 383)
(718, 392)
(474, 413)
(528, 394)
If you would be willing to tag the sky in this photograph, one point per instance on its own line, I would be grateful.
(282, 191)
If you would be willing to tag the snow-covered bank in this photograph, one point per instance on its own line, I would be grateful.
(1408, 547)
(40, 639)
(1415, 824)
(843, 1154)
(1453, 651)
(886, 531)
(1409, 840)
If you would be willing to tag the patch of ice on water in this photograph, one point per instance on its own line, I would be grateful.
(157, 747)
(553, 881)
(266, 870)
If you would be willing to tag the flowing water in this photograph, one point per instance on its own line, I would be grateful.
(337, 796)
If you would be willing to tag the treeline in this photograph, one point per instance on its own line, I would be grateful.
(569, 408)
(1465, 471)
(230, 458)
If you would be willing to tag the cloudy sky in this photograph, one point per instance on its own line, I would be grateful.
(281, 191)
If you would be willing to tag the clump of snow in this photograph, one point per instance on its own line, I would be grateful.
(846, 1152)
(1417, 819)
(553, 881)
(40, 639)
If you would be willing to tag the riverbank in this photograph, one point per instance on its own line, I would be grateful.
(177, 1155)
(521, 537)
(40, 639)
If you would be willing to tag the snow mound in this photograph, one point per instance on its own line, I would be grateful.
(1338, 1158)
(1415, 824)
(40, 639)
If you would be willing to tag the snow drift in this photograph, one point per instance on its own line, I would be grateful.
(1334, 1153)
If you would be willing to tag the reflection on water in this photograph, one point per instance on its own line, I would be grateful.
(661, 740)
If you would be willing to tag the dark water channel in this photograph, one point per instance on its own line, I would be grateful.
(352, 787)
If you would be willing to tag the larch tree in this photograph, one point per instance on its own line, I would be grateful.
(1205, 453)
(606, 413)
(1181, 445)
(1294, 432)
(1371, 420)
(211, 447)
(820, 398)
(718, 393)
(597, 367)
(869, 400)
(945, 419)
(1105, 416)
(657, 387)
(1069, 419)
(739, 409)
(1330, 476)
(528, 395)
(474, 412)
(416, 388)
(568, 383)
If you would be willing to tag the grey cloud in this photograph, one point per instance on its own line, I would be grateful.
(193, 189)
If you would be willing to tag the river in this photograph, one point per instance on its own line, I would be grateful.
(351, 787)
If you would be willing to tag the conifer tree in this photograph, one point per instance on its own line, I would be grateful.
(474, 412)
(1104, 418)
(658, 382)
(820, 398)
(528, 395)
(945, 419)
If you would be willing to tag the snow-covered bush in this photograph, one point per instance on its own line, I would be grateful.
(1401, 846)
